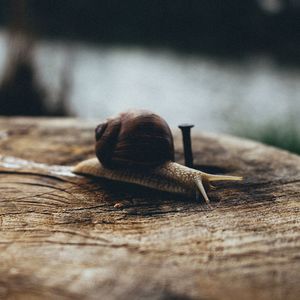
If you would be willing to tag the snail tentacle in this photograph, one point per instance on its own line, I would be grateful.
(201, 189)
(208, 178)
(212, 177)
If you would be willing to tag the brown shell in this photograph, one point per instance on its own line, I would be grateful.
(135, 138)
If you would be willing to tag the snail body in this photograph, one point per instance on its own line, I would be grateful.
(137, 147)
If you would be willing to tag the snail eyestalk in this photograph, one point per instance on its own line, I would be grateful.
(202, 190)
(208, 178)
(212, 177)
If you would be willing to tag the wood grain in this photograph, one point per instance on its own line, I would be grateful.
(62, 238)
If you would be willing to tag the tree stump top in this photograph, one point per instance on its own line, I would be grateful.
(62, 238)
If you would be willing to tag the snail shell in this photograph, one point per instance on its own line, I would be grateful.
(137, 147)
(134, 139)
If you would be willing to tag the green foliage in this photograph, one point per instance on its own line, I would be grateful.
(285, 135)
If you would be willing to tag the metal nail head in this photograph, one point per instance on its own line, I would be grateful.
(187, 144)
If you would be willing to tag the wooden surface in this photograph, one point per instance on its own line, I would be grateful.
(62, 238)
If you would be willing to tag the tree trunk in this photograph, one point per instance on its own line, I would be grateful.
(62, 237)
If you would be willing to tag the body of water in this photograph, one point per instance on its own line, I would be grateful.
(213, 94)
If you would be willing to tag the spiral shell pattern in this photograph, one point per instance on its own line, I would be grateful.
(134, 139)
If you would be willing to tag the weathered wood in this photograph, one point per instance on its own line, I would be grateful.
(62, 237)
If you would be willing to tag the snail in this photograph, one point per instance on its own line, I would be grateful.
(137, 147)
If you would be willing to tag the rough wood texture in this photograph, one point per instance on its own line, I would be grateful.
(62, 238)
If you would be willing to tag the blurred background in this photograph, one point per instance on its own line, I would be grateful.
(227, 66)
